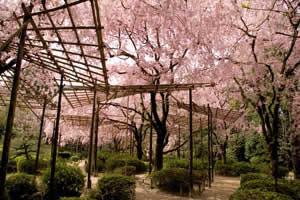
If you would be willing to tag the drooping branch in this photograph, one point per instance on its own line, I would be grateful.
(175, 149)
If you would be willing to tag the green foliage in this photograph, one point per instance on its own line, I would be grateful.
(11, 166)
(112, 187)
(237, 147)
(26, 166)
(171, 179)
(21, 186)
(126, 170)
(269, 186)
(254, 146)
(253, 176)
(100, 166)
(258, 195)
(75, 158)
(184, 163)
(117, 162)
(234, 169)
(69, 180)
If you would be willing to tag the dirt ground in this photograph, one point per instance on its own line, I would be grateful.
(221, 189)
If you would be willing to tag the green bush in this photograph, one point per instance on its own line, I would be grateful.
(117, 162)
(171, 179)
(126, 170)
(234, 169)
(254, 176)
(64, 155)
(43, 164)
(27, 166)
(258, 195)
(100, 166)
(266, 169)
(184, 163)
(21, 186)
(138, 164)
(113, 187)
(243, 168)
(225, 169)
(269, 186)
(11, 166)
(69, 180)
(75, 158)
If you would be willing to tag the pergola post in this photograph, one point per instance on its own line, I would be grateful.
(89, 183)
(150, 144)
(96, 137)
(12, 107)
(40, 135)
(191, 143)
(179, 141)
(209, 146)
(53, 193)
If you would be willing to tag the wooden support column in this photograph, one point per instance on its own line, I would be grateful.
(89, 183)
(96, 137)
(12, 107)
(150, 144)
(208, 145)
(191, 143)
(53, 193)
(179, 141)
(40, 135)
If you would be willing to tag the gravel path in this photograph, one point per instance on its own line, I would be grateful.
(221, 189)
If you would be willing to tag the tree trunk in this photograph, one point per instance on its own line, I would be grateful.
(159, 152)
(139, 150)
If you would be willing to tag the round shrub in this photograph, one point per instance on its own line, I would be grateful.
(27, 166)
(126, 170)
(75, 158)
(21, 186)
(225, 169)
(243, 168)
(11, 166)
(269, 186)
(184, 163)
(174, 179)
(138, 164)
(258, 195)
(253, 176)
(43, 164)
(69, 180)
(64, 155)
(112, 187)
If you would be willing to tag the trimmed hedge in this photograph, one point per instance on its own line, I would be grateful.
(172, 179)
(184, 163)
(69, 180)
(21, 186)
(234, 169)
(27, 166)
(253, 176)
(269, 186)
(126, 170)
(258, 195)
(117, 162)
(112, 187)
(75, 158)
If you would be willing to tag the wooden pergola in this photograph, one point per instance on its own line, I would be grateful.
(81, 66)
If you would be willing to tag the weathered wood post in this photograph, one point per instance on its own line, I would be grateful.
(40, 134)
(12, 105)
(89, 183)
(53, 192)
(96, 137)
(191, 143)
(209, 146)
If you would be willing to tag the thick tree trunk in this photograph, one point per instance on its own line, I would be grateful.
(139, 150)
(159, 152)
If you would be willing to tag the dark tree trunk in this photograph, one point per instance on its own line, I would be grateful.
(159, 152)
(224, 149)
(139, 150)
